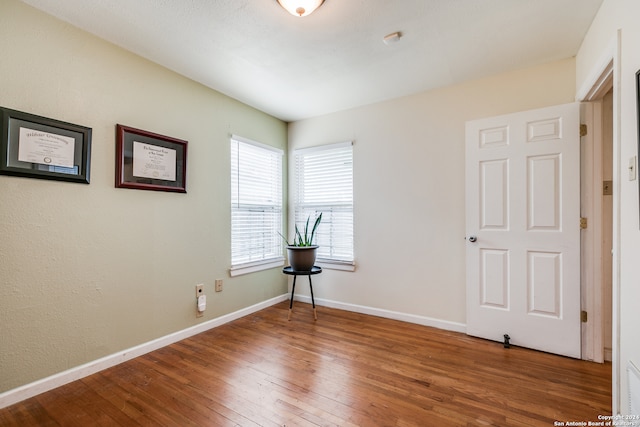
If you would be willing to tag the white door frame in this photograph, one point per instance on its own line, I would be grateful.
(591, 172)
(606, 70)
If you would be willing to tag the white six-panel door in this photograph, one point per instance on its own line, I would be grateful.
(523, 229)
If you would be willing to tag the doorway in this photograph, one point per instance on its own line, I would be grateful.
(597, 238)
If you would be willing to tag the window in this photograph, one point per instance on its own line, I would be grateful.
(324, 183)
(256, 206)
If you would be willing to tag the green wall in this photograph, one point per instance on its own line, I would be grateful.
(89, 270)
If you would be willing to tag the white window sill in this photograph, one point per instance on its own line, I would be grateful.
(252, 267)
(336, 265)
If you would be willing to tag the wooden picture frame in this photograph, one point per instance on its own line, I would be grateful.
(149, 161)
(39, 147)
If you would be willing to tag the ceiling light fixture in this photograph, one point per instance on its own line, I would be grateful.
(300, 7)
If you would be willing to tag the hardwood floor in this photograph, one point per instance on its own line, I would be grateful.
(345, 369)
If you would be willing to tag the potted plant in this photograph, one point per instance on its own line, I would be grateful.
(302, 253)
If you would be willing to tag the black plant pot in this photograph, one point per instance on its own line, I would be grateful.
(302, 258)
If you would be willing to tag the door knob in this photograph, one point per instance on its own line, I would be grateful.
(473, 239)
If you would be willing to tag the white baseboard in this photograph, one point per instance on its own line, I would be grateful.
(32, 389)
(26, 391)
(388, 314)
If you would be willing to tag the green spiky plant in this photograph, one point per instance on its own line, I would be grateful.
(305, 239)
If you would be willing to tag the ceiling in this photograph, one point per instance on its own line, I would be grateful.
(294, 68)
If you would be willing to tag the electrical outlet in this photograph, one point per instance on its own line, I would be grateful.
(218, 285)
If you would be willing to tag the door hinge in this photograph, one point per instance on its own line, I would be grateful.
(583, 130)
(583, 316)
(583, 223)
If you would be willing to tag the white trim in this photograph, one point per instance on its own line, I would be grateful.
(26, 391)
(616, 380)
(252, 267)
(257, 144)
(602, 84)
(336, 265)
(387, 314)
(591, 88)
(609, 64)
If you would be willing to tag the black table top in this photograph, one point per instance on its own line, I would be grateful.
(314, 270)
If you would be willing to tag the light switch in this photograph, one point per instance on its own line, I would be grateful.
(632, 168)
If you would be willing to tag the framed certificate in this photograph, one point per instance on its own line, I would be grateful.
(148, 161)
(38, 147)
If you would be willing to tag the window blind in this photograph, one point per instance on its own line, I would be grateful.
(256, 203)
(324, 184)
